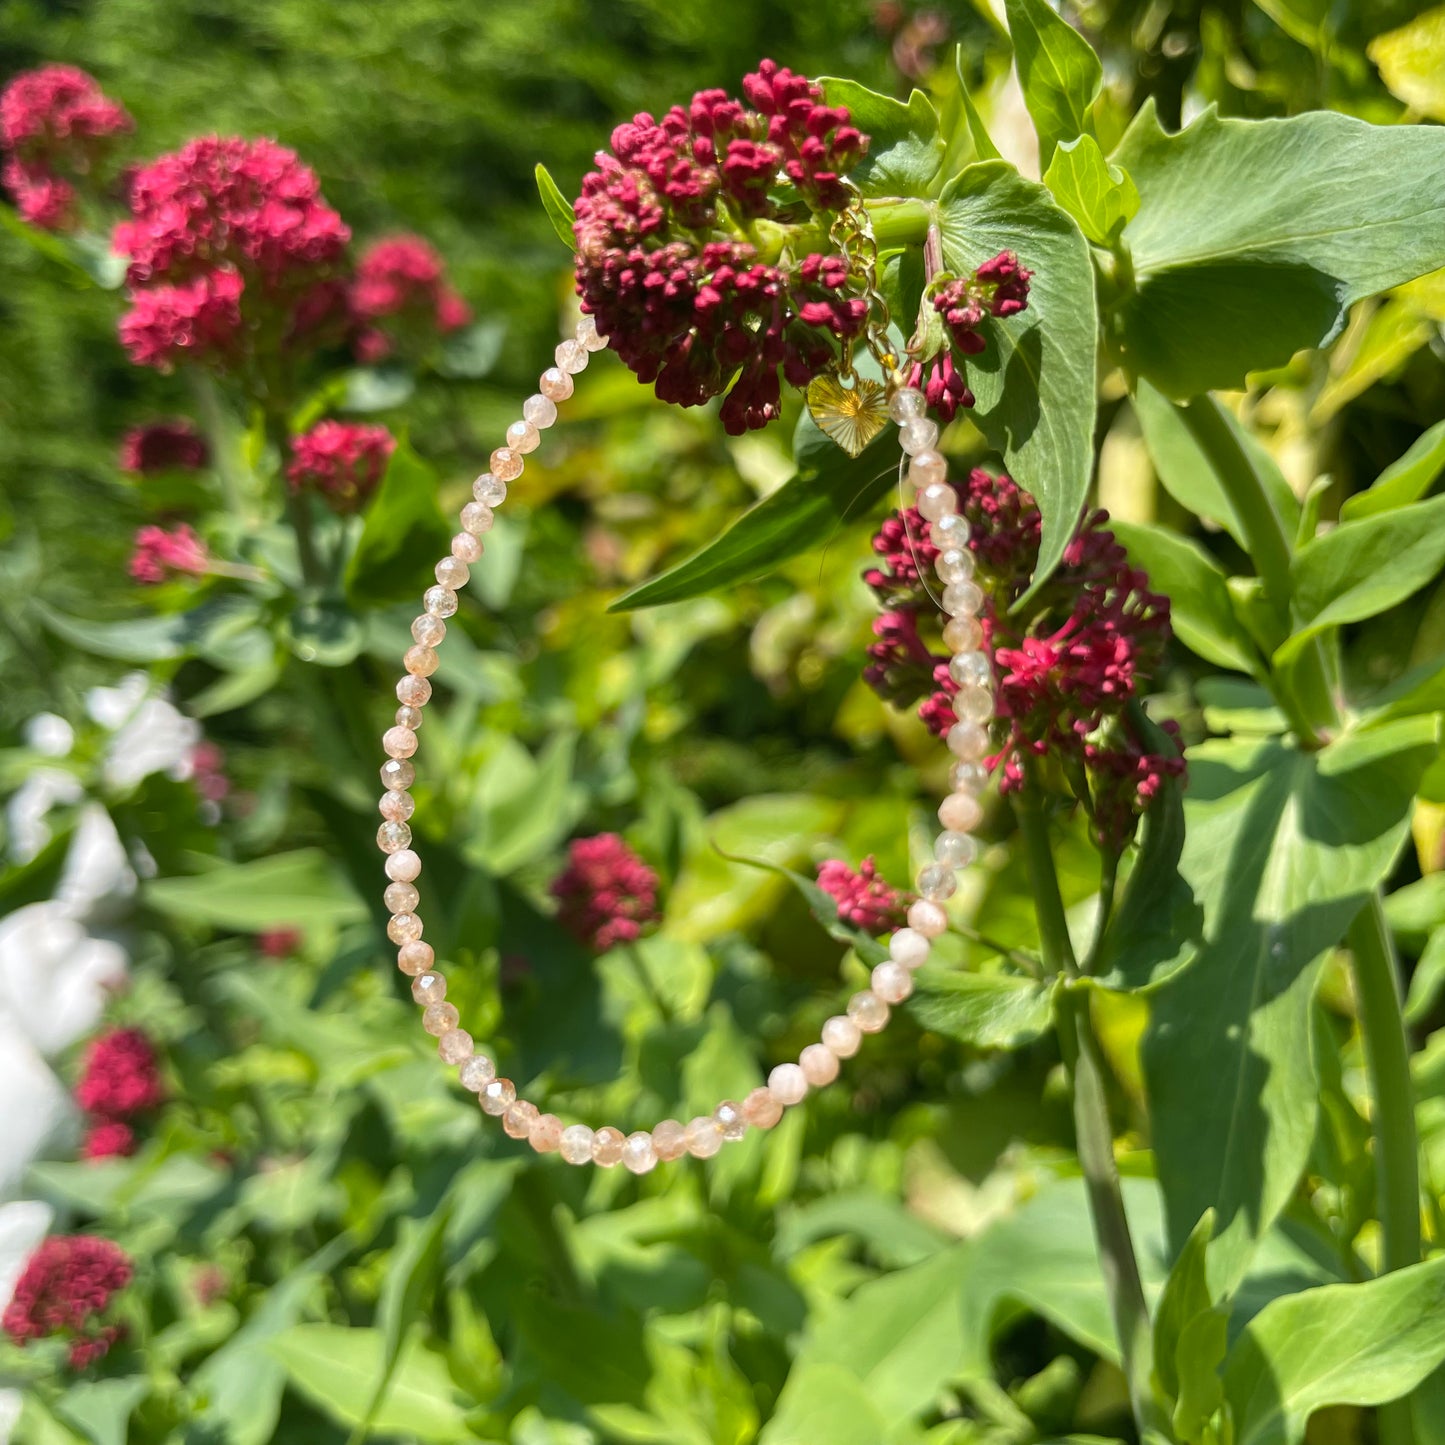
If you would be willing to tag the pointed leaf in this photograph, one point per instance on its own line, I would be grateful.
(987, 1010)
(1058, 70)
(403, 535)
(557, 207)
(905, 146)
(1404, 481)
(300, 889)
(1099, 196)
(983, 142)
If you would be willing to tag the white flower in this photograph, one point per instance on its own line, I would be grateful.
(29, 804)
(111, 706)
(97, 871)
(50, 734)
(151, 735)
(38, 1111)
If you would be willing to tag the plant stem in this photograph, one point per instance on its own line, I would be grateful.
(1094, 1136)
(899, 221)
(213, 423)
(649, 984)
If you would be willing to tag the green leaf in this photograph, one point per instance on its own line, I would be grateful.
(1416, 910)
(101, 1409)
(377, 388)
(1190, 1337)
(1282, 848)
(1035, 378)
(1100, 197)
(1058, 70)
(557, 207)
(1200, 607)
(829, 489)
(1254, 237)
(1427, 981)
(523, 806)
(983, 142)
(1402, 482)
(151, 638)
(302, 889)
(404, 534)
(1342, 1344)
(1411, 61)
(987, 1010)
(905, 146)
(823, 1402)
(336, 1368)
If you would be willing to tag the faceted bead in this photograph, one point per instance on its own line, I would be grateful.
(440, 601)
(909, 947)
(638, 1153)
(970, 777)
(962, 633)
(571, 357)
(906, 403)
(950, 531)
(892, 982)
(397, 775)
(971, 669)
(392, 838)
(416, 691)
(506, 464)
(454, 1046)
(415, 958)
(545, 1135)
(478, 518)
(607, 1145)
(555, 384)
(926, 918)
(968, 740)
(868, 1011)
(819, 1065)
(451, 573)
(477, 1073)
(958, 850)
(954, 564)
(496, 1097)
(937, 500)
(842, 1036)
(540, 410)
(587, 333)
(420, 661)
(437, 1018)
(761, 1109)
(403, 928)
(960, 812)
(704, 1137)
(429, 631)
(398, 742)
(973, 704)
(523, 437)
(403, 867)
(788, 1083)
(937, 882)
(669, 1138)
(429, 988)
(466, 548)
(962, 597)
(927, 468)
(401, 897)
(729, 1116)
(409, 717)
(918, 435)
(518, 1119)
(576, 1144)
(490, 490)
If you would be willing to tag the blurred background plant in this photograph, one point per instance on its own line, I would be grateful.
(206, 1059)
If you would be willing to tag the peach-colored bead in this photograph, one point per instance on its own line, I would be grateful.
(571, 356)
(963, 634)
(545, 1135)
(403, 928)
(498, 1096)
(926, 918)
(607, 1145)
(440, 601)
(437, 1018)
(477, 1073)
(730, 1119)
(409, 717)
(960, 812)
(892, 981)
(819, 1065)
(396, 808)
(403, 867)
(909, 947)
(506, 464)
(522, 436)
(587, 333)
(842, 1036)
(429, 631)
(415, 958)
(392, 838)
(397, 775)
(478, 519)
(868, 1011)
(704, 1137)
(639, 1154)
(576, 1144)
(466, 548)
(490, 491)
(926, 468)
(518, 1120)
(453, 573)
(540, 410)
(788, 1083)
(415, 691)
(401, 898)
(669, 1138)
(429, 988)
(555, 384)
(936, 500)
(968, 740)
(454, 1046)
(398, 742)
(420, 661)
(761, 1109)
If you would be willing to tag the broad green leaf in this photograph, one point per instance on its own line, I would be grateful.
(987, 1010)
(336, 1369)
(1099, 196)
(522, 806)
(905, 146)
(1395, 330)
(823, 1402)
(1402, 482)
(155, 639)
(1254, 237)
(1035, 378)
(1344, 1344)
(302, 889)
(1200, 607)
(1363, 568)
(983, 142)
(1189, 1337)
(1058, 70)
(1420, 690)
(1411, 61)
(1416, 910)
(404, 534)
(1282, 848)
(557, 207)
(1427, 981)
(829, 489)
(101, 1409)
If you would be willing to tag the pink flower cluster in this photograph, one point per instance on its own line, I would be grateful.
(606, 895)
(160, 554)
(119, 1079)
(864, 899)
(163, 446)
(343, 461)
(400, 298)
(231, 247)
(66, 1285)
(685, 301)
(1065, 670)
(57, 127)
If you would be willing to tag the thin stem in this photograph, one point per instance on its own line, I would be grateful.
(214, 425)
(1015, 956)
(1084, 1060)
(899, 222)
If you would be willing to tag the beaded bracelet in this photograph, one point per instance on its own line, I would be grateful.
(891, 982)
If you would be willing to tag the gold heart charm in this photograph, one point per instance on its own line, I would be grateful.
(851, 415)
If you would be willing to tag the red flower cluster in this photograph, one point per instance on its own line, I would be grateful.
(119, 1079)
(401, 281)
(163, 446)
(159, 553)
(230, 242)
(1065, 670)
(278, 942)
(56, 127)
(343, 461)
(65, 1286)
(685, 301)
(864, 899)
(606, 895)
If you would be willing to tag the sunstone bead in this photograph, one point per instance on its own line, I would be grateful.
(421, 661)
(506, 464)
(540, 410)
(819, 1065)
(587, 333)
(477, 1073)
(937, 882)
(891, 981)
(575, 1145)
(414, 691)
(669, 1138)
(927, 918)
(962, 633)
(452, 573)
(522, 436)
(478, 518)
(761, 1109)
(607, 1145)
(437, 1018)
(454, 1046)
(571, 357)
(403, 867)
(958, 850)
(973, 704)
(937, 500)
(398, 742)
(428, 631)
(971, 669)
(497, 1096)
(842, 1036)
(969, 777)
(490, 490)
(968, 741)
(909, 947)
(639, 1154)
(409, 717)
(545, 1135)
(555, 384)
(466, 548)
(954, 564)
(907, 403)
(404, 928)
(704, 1137)
(950, 531)
(518, 1119)
(868, 1011)
(414, 958)
(396, 808)
(788, 1083)
(439, 601)
(960, 812)
(729, 1116)
(401, 897)
(927, 468)
(962, 597)
(429, 988)
(918, 434)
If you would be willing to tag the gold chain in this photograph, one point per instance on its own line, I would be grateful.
(852, 233)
